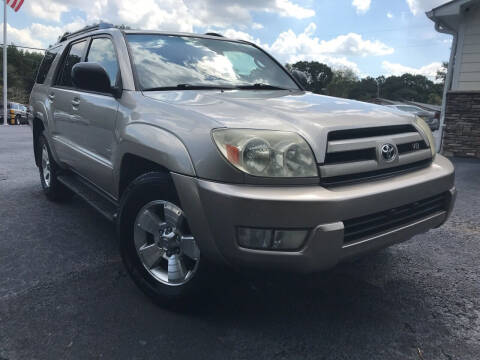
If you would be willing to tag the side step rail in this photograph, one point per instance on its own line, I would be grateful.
(94, 197)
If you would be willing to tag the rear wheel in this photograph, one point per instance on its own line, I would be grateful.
(17, 120)
(53, 189)
(156, 244)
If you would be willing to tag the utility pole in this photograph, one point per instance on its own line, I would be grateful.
(5, 120)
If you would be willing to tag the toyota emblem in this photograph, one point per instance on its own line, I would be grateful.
(389, 152)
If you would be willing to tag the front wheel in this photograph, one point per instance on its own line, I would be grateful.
(156, 244)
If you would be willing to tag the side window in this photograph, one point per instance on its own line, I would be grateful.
(46, 64)
(74, 56)
(102, 52)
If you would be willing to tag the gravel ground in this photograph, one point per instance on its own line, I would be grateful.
(64, 293)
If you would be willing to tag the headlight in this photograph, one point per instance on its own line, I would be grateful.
(266, 153)
(426, 130)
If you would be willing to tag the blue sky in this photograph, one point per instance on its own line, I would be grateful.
(372, 37)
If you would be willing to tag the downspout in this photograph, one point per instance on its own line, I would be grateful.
(448, 80)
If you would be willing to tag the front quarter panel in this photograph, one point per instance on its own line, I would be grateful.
(172, 126)
(155, 144)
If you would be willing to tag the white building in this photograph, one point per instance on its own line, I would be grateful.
(461, 102)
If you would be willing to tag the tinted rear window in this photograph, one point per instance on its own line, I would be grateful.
(46, 65)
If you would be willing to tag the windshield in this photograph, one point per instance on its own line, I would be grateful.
(165, 61)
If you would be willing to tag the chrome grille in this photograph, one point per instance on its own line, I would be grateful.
(355, 154)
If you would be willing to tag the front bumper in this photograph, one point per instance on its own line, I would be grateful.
(215, 210)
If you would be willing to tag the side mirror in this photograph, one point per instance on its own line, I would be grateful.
(93, 77)
(300, 77)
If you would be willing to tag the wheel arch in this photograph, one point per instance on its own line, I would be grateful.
(133, 166)
(145, 148)
(41, 110)
(37, 128)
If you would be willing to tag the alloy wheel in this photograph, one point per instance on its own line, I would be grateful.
(164, 244)
(46, 172)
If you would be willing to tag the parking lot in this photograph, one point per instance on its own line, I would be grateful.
(64, 293)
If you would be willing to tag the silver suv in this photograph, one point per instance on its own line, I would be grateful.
(205, 152)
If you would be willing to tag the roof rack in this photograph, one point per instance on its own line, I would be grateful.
(214, 34)
(86, 29)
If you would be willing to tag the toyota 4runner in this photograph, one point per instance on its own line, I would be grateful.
(206, 151)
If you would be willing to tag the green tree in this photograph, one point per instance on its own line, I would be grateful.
(412, 87)
(380, 82)
(343, 82)
(21, 71)
(365, 89)
(318, 75)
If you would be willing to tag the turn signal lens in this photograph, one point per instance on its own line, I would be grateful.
(232, 154)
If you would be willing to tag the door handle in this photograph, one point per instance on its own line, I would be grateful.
(75, 102)
(51, 96)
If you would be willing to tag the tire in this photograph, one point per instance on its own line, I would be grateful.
(48, 169)
(17, 120)
(154, 193)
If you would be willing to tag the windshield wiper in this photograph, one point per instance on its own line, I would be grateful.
(257, 86)
(189, 87)
(261, 86)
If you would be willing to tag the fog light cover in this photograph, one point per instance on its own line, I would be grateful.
(288, 239)
(269, 239)
(254, 238)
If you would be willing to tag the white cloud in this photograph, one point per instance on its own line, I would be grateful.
(169, 15)
(225, 13)
(390, 15)
(39, 35)
(240, 35)
(362, 6)
(288, 9)
(354, 44)
(181, 15)
(20, 37)
(47, 10)
(292, 47)
(289, 45)
(429, 70)
(421, 6)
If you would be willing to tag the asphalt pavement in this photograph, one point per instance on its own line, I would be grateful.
(64, 293)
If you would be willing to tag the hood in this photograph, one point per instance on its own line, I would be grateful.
(310, 115)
